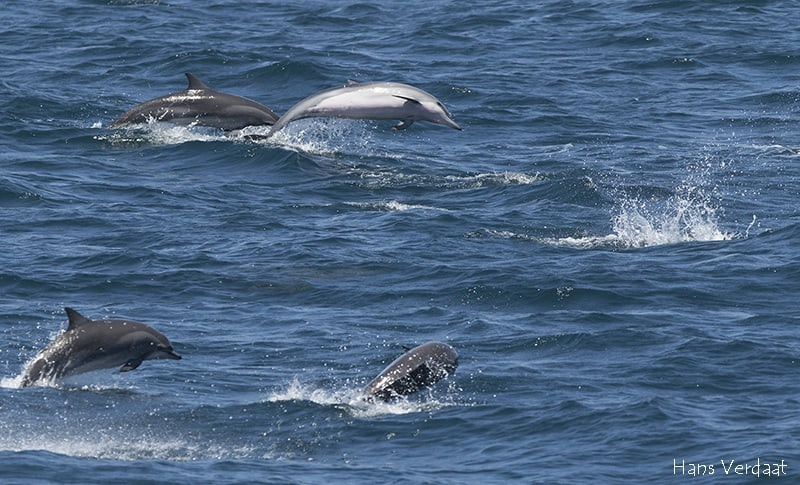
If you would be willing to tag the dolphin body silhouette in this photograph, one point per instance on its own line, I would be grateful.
(371, 101)
(199, 105)
(416, 369)
(89, 345)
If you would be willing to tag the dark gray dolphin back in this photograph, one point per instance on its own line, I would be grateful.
(199, 105)
(416, 369)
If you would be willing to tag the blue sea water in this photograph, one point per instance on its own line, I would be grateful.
(611, 243)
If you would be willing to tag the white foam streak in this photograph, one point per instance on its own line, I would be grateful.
(392, 206)
(11, 382)
(158, 133)
(107, 447)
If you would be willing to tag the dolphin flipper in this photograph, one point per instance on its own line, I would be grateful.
(403, 125)
(131, 365)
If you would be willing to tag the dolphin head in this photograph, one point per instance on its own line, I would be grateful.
(160, 348)
(145, 343)
(422, 106)
(435, 112)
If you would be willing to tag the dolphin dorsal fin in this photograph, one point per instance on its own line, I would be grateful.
(75, 319)
(195, 82)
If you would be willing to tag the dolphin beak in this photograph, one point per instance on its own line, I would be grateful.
(168, 353)
(452, 123)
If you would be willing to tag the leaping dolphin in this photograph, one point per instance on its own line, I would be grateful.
(416, 369)
(371, 101)
(199, 105)
(89, 345)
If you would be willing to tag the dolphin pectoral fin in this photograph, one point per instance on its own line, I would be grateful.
(130, 365)
(410, 100)
(403, 125)
(255, 136)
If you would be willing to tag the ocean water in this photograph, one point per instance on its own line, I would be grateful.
(612, 243)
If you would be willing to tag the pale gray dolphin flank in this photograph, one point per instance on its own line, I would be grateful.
(416, 369)
(89, 345)
(199, 105)
(371, 101)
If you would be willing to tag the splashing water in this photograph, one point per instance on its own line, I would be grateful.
(319, 136)
(690, 215)
(352, 400)
(316, 137)
(687, 216)
(157, 133)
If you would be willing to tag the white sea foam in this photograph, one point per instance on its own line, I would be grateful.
(353, 400)
(117, 444)
(691, 213)
(157, 133)
(392, 205)
(638, 224)
(378, 178)
(496, 178)
(11, 382)
(688, 216)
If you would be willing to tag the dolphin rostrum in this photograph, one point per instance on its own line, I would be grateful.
(89, 345)
(416, 369)
(371, 101)
(199, 105)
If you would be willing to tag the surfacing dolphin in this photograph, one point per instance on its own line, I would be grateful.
(199, 105)
(89, 345)
(371, 101)
(416, 369)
